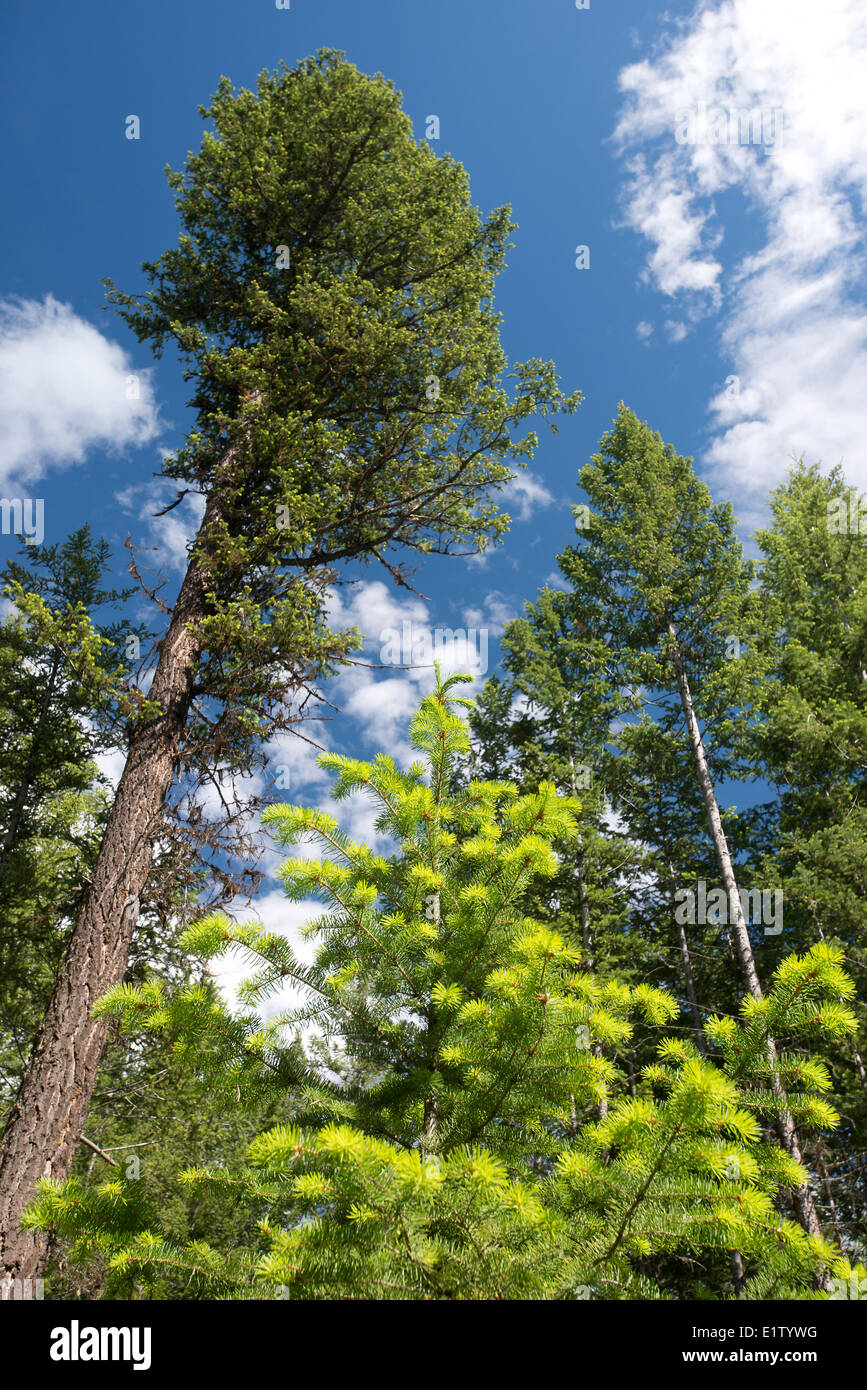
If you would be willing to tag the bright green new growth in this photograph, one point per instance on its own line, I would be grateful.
(468, 1161)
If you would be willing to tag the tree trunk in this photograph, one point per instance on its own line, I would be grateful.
(826, 1183)
(45, 1124)
(688, 977)
(586, 936)
(859, 1061)
(785, 1125)
(583, 903)
(584, 909)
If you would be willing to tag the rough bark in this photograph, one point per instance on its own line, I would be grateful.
(45, 1125)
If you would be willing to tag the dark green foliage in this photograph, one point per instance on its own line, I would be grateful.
(331, 296)
(53, 802)
(812, 746)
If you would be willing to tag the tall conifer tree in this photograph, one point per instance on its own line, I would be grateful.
(811, 745)
(331, 299)
(661, 619)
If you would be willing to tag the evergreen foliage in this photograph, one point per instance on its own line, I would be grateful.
(466, 1165)
(53, 802)
(810, 745)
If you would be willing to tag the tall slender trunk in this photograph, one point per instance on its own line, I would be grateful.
(584, 912)
(735, 1257)
(430, 1117)
(688, 977)
(583, 902)
(785, 1124)
(429, 1124)
(45, 1124)
(590, 960)
(586, 937)
(826, 1183)
(859, 1061)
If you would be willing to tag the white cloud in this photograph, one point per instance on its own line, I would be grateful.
(172, 533)
(555, 580)
(373, 608)
(111, 764)
(63, 390)
(403, 635)
(375, 714)
(524, 495)
(293, 758)
(497, 610)
(380, 710)
(225, 787)
(675, 332)
(667, 217)
(480, 560)
(280, 917)
(375, 709)
(789, 80)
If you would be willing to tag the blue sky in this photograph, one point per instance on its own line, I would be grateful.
(723, 303)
